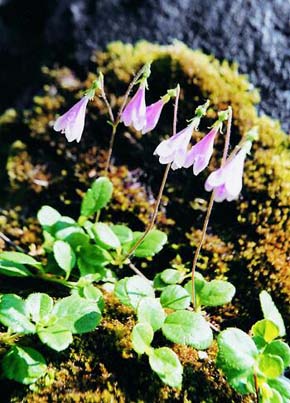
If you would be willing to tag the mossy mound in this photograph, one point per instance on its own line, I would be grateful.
(247, 242)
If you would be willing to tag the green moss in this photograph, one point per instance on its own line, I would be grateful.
(247, 242)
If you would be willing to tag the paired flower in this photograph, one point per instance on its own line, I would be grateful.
(227, 181)
(73, 121)
(136, 113)
(174, 149)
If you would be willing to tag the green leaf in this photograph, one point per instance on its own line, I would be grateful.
(13, 314)
(278, 347)
(158, 283)
(267, 329)
(216, 292)
(19, 258)
(86, 269)
(270, 365)
(142, 336)
(11, 269)
(138, 288)
(171, 276)
(48, 216)
(77, 314)
(175, 297)
(38, 306)
(95, 256)
(150, 311)
(97, 197)
(167, 366)
(64, 256)
(76, 239)
(55, 336)
(105, 237)
(199, 283)
(123, 233)
(237, 352)
(152, 244)
(23, 364)
(189, 328)
(271, 312)
(120, 291)
(282, 385)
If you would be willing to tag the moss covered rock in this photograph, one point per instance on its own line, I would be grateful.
(247, 241)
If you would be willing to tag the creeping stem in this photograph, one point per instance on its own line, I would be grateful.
(209, 210)
(164, 179)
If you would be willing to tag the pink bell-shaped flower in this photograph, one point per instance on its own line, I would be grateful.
(153, 113)
(134, 113)
(72, 122)
(200, 154)
(174, 149)
(227, 181)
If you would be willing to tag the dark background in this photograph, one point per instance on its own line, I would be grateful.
(255, 33)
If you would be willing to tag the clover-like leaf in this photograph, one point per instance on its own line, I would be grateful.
(189, 328)
(97, 197)
(13, 314)
(175, 297)
(77, 314)
(48, 216)
(152, 244)
(23, 364)
(280, 348)
(171, 276)
(216, 292)
(167, 366)
(267, 329)
(38, 306)
(64, 256)
(138, 288)
(150, 311)
(237, 352)
(123, 233)
(271, 312)
(142, 336)
(55, 336)
(105, 237)
(270, 365)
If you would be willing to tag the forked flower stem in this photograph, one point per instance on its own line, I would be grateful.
(209, 210)
(115, 121)
(163, 182)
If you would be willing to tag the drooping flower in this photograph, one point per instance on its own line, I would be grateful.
(153, 113)
(200, 154)
(174, 149)
(227, 181)
(72, 122)
(134, 113)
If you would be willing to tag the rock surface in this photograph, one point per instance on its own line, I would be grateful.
(254, 33)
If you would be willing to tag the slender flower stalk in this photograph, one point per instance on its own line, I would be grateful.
(163, 182)
(114, 121)
(223, 115)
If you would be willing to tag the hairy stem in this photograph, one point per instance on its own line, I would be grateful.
(209, 210)
(163, 182)
(10, 242)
